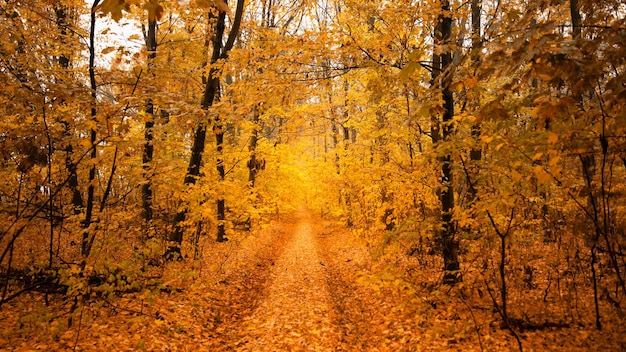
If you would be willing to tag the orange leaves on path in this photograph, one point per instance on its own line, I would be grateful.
(303, 284)
(296, 312)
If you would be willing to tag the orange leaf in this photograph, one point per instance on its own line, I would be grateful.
(155, 10)
(553, 138)
(108, 50)
(221, 5)
(115, 8)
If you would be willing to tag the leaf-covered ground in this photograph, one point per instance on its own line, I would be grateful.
(303, 284)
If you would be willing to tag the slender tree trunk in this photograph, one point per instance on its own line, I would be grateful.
(148, 149)
(210, 96)
(86, 248)
(199, 140)
(588, 169)
(221, 202)
(346, 141)
(576, 18)
(476, 151)
(254, 137)
(588, 160)
(448, 239)
(334, 131)
(218, 127)
(70, 165)
(254, 164)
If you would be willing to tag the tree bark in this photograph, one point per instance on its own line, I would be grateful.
(70, 165)
(254, 137)
(218, 129)
(210, 96)
(199, 140)
(86, 247)
(148, 149)
(449, 243)
(476, 152)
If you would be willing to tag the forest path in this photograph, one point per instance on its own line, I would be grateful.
(296, 312)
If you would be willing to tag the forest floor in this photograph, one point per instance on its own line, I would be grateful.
(302, 284)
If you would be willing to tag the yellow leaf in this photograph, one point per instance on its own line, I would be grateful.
(155, 10)
(114, 7)
(408, 69)
(553, 138)
(424, 111)
(107, 50)
(554, 161)
(542, 176)
(516, 176)
(487, 139)
(471, 81)
(204, 3)
(221, 5)
(537, 156)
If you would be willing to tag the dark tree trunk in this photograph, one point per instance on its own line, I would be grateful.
(588, 160)
(576, 18)
(199, 140)
(210, 96)
(193, 172)
(86, 247)
(70, 165)
(443, 79)
(334, 131)
(221, 206)
(148, 149)
(218, 128)
(64, 60)
(253, 166)
(589, 169)
(346, 141)
(476, 151)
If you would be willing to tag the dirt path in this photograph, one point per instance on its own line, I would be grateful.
(302, 284)
(296, 312)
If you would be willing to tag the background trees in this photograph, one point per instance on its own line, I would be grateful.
(488, 133)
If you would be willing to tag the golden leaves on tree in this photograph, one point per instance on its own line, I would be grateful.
(115, 8)
(221, 5)
(155, 10)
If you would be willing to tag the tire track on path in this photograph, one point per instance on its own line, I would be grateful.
(297, 313)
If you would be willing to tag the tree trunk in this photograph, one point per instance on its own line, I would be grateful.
(218, 129)
(449, 243)
(475, 153)
(588, 162)
(195, 160)
(210, 96)
(347, 201)
(70, 165)
(148, 150)
(86, 247)
(254, 137)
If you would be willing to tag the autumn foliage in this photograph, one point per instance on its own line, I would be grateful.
(444, 175)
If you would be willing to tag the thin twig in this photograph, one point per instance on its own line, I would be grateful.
(506, 322)
(480, 340)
